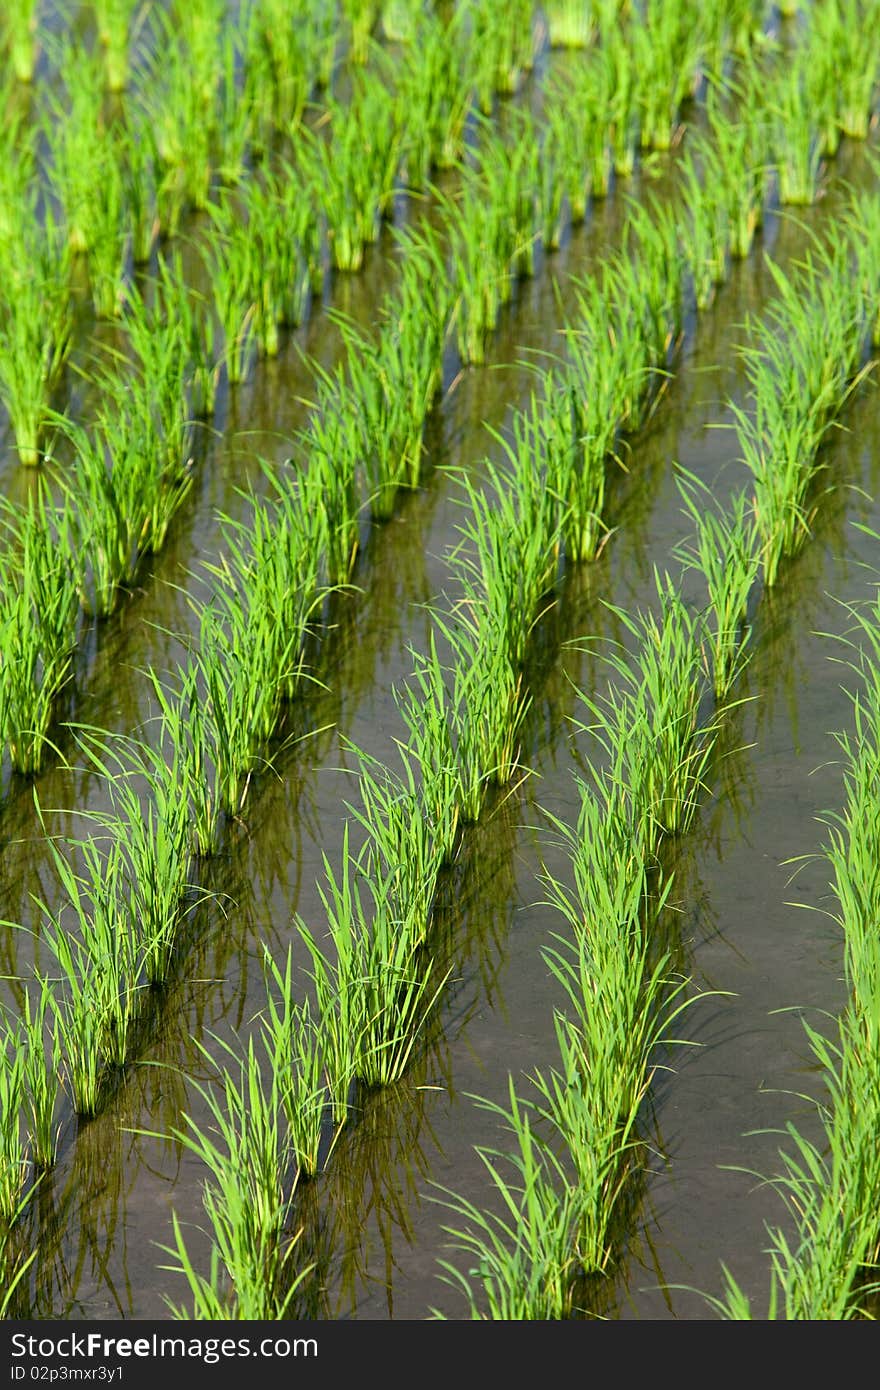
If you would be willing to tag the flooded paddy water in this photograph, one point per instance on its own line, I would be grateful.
(745, 923)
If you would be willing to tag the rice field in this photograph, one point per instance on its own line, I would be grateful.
(439, 660)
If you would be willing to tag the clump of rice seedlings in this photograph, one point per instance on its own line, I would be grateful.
(114, 20)
(81, 149)
(19, 28)
(361, 17)
(291, 1039)
(648, 723)
(149, 796)
(400, 20)
(330, 445)
(38, 333)
(624, 106)
(862, 220)
(570, 23)
(281, 62)
(707, 230)
(799, 380)
(525, 1258)
(503, 37)
(726, 553)
(189, 729)
(42, 1076)
(424, 706)
(109, 249)
(230, 255)
(401, 848)
(667, 48)
(509, 553)
(99, 962)
(14, 1164)
(246, 1198)
(352, 174)
(576, 445)
(436, 93)
(374, 987)
(740, 162)
(856, 72)
(191, 317)
(39, 605)
(796, 141)
(140, 186)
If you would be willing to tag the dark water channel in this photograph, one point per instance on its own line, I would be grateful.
(371, 1221)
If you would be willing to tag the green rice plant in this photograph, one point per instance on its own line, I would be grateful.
(42, 1076)
(374, 989)
(191, 317)
(649, 722)
(109, 531)
(331, 445)
(352, 175)
(38, 333)
(245, 1149)
(361, 17)
(19, 35)
(796, 139)
(424, 706)
(115, 20)
(570, 23)
(824, 53)
(436, 94)
(401, 848)
(510, 552)
(650, 274)
(856, 76)
(624, 109)
(230, 255)
(400, 20)
(726, 553)
(707, 235)
(140, 187)
(39, 606)
(109, 249)
(186, 729)
(577, 445)
(291, 1038)
(149, 796)
(741, 163)
(487, 706)
(14, 1164)
(524, 1258)
(503, 38)
(861, 219)
(667, 48)
(81, 149)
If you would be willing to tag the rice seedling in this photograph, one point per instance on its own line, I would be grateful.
(109, 249)
(740, 163)
(39, 605)
(400, 20)
(185, 727)
(856, 74)
(487, 706)
(330, 443)
(667, 47)
(192, 319)
(352, 175)
(795, 136)
(424, 708)
(140, 186)
(726, 553)
(503, 38)
(571, 23)
(525, 1257)
(229, 255)
(246, 1197)
(20, 29)
(649, 725)
(115, 34)
(149, 794)
(707, 233)
(14, 1164)
(624, 107)
(374, 989)
(401, 848)
(80, 147)
(42, 1076)
(361, 17)
(37, 338)
(291, 1038)
(436, 94)
(281, 60)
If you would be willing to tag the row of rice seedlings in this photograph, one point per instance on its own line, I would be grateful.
(39, 606)
(802, 365)
(827, 1268)
(560, 1216)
